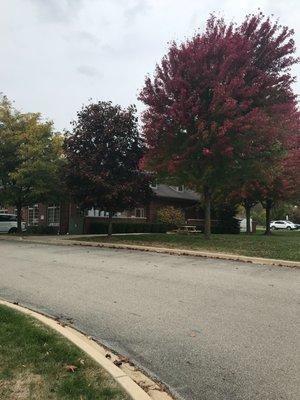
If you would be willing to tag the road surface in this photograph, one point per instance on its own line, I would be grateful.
(208, 329)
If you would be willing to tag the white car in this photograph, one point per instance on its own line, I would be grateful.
(9, 223)
(283, 225)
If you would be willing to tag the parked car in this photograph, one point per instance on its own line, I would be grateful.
(283, 225)
(9, 223)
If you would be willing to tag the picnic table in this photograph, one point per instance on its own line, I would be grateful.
(187, 229)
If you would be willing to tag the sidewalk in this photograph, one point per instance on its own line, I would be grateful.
(68, 240)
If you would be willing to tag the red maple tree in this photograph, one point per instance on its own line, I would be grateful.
(220, 103)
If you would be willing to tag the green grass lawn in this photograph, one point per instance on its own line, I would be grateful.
(34, 364)
(280, 245)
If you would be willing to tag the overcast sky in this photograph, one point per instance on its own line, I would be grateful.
(58, 54)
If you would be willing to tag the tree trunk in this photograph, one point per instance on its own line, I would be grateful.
(110, 226)
(207, 207)
(19, 218)
(268, 217)
(248, 218)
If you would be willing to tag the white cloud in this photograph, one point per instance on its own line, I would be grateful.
(88, 70)
(57, 54)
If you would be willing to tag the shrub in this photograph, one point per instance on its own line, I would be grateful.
(98, 227)
(42, 230)
(226, 222)
(171, 216)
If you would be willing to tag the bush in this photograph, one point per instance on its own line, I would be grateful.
(226, 222)
(171, 216)
(98, 227)
(42, 230)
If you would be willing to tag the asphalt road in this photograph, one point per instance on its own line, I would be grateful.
(209, 329)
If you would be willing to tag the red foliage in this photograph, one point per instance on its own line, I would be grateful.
(220, 100)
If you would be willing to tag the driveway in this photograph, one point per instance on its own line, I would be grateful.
(208, 329)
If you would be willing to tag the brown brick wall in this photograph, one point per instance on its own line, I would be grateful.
(64, 218)
(69, 210)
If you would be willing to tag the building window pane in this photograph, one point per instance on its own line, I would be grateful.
(140, 213)
(53, 215)
(33, 215)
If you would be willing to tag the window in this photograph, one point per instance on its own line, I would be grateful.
(53, 215)
(93, 212)
(33, 215)
(140, 213)
(8, 218)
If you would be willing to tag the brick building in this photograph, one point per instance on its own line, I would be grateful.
(68, 218)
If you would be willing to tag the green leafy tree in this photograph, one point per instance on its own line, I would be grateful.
(103, 157)
(30, 159)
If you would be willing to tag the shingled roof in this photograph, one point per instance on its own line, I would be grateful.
(170, 192)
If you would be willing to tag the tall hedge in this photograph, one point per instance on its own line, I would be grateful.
(124, 227)
(225, 215)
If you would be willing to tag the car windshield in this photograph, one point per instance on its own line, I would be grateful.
(7, 217)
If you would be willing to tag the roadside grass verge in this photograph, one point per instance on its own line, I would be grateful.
(36, 363)
(279, 245)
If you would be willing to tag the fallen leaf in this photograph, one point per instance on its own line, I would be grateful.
(71, 368)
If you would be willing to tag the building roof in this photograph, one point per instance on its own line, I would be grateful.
(171, 192)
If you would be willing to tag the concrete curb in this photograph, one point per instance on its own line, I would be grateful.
(165, 250)
(135, 383)
(196, 253)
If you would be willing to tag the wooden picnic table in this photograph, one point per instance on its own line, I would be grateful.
(187, 229)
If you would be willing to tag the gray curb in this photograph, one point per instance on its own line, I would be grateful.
(135, 383)
(178, 252)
